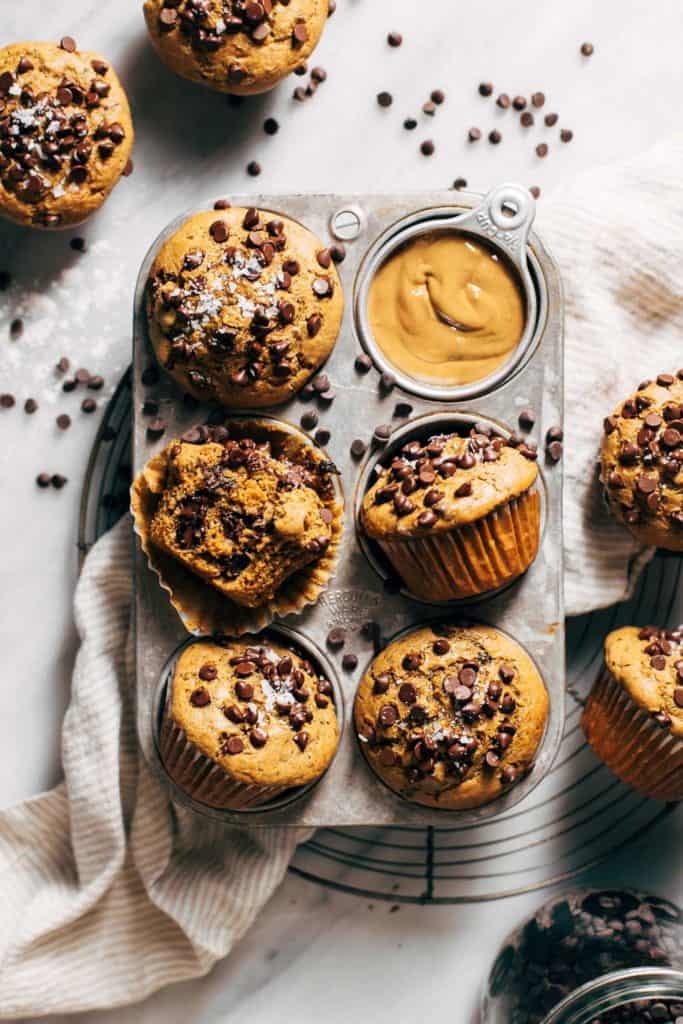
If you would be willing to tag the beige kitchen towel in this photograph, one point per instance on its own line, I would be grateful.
(107, 893)
(617, 235)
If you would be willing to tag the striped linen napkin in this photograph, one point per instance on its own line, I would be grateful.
(107, 893)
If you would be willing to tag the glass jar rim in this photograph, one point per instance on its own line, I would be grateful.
(615, 989)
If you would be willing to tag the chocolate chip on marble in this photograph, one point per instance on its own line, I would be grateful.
(384, 99)
(322, 437)
(427, 148)
(349, 662)
(358, 448)
(58, 481)
(495, 137)
(394, 39)
(474, 134)
(336, 637)
(587, 49)
(309, 420)
(156, 428)
(485, 88)
(410, 124)
(63, 421)
(381, 434)
(363, 363)
(526, 419)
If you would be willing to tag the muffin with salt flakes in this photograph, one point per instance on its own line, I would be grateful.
(455, 515)
(642, 462)
(247, 720)
(235, 46)
(633, 718)
(243, 306)
(65, 133)
(451, 716)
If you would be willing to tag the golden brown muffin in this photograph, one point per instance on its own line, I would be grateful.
(240, 519)
(633, 718)
(243, 307)
(451, 716)
(456, 516)
(247, 720)
(65, 133)
(642, 462)
(237, 46)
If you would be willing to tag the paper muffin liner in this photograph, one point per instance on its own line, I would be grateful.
(203, 779)
(631, 743)
(203, 610)
(470, 559)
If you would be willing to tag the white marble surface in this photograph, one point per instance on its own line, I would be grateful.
(312, 954)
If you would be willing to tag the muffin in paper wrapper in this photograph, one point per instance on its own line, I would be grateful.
(631, 743)
(471, 559)
(202, 609)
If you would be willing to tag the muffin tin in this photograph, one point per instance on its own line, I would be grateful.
(530, 609)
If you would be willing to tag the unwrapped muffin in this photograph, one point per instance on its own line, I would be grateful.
(633, 718)
(642, 462)
(236, 46)
(65, 133)
(244, 517)
(456, 516)
(243, 306)
(246, 720)
(451, 716)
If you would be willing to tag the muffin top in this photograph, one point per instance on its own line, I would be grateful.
(66, 133)
(243, 306)
(238, 46)
(642, 462)
(241, 517)
(450, 716)
(648, 663)
(445, 482)
(257, 708)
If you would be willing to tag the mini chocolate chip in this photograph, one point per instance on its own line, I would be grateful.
(309, 420)
(363, 363)
(495, 137)
(381, 434)
(200, 697)
(427, 147)
(485, 88)
(410, 124)
(394, 39)
(63, 421)
(349, 662)
(58, 481)
(88, 405)
(358, 448)
(336, 637)
(587, 49)
(542, 149)
(538, 99)
(474, 134)
(566, 135)
(526, 419)
(385, 99)
(253, 168)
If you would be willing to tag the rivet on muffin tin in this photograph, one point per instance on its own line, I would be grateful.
(162, 695)
(502, 220)
(424, 426)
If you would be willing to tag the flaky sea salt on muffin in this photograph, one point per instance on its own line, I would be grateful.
(243, 306)
(456, 516)
(65, 131)
(451, 716)
(633, 718)
(245, 517)
(236, 46)
(642, 462)
(246, 721)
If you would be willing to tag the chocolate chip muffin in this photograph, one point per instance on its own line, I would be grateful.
(249, 512)
(642, 462)
(246, 720)
(236, 46)
(633, 719)
(451, 716)
(65, 133)
(456, 515)
(243, 307)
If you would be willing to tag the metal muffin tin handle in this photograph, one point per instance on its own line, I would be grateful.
(503, 220)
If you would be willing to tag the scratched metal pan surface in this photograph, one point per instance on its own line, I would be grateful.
(530, 610)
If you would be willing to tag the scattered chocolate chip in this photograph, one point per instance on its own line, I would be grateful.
(63, 421)
(554, 451)
(30, 405)
(526, 419)
(410, 124)
(566, 135)
(474, 134)
(394, 39)
(538, 99)
(322, 436)
(429, 108)
(200, 697)
(68, 44)
(88, 405)
(43, 480)
(460, 183)
(495, 137)
(336, 637)
(587, 49)
(542, 149)
(358, 448)
(381, 434)
(526, 119)
(7, 401)
(485, 88)
(385, 99)
(363, 363)
(271, 126)
(519, 102)
(551, 119)
(58, 481)
(535, 191)
(503, 101)
(253, 168)
(16, 329)
(349, 662)
(156, 428)
(427, 147)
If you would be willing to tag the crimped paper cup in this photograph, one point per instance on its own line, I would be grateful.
(631, 743)
(471, 559)
(203, 610)
(205, 780)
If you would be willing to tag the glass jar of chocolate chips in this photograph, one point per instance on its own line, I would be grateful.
(591, 957)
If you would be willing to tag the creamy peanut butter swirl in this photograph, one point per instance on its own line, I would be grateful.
(446, 309)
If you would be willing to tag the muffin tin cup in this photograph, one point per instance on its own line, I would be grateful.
(632, 745)
(440, 569)
(530, 609)
(197, 782)
(203, 610)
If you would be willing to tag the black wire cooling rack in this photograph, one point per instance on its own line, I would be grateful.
(578, 816)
